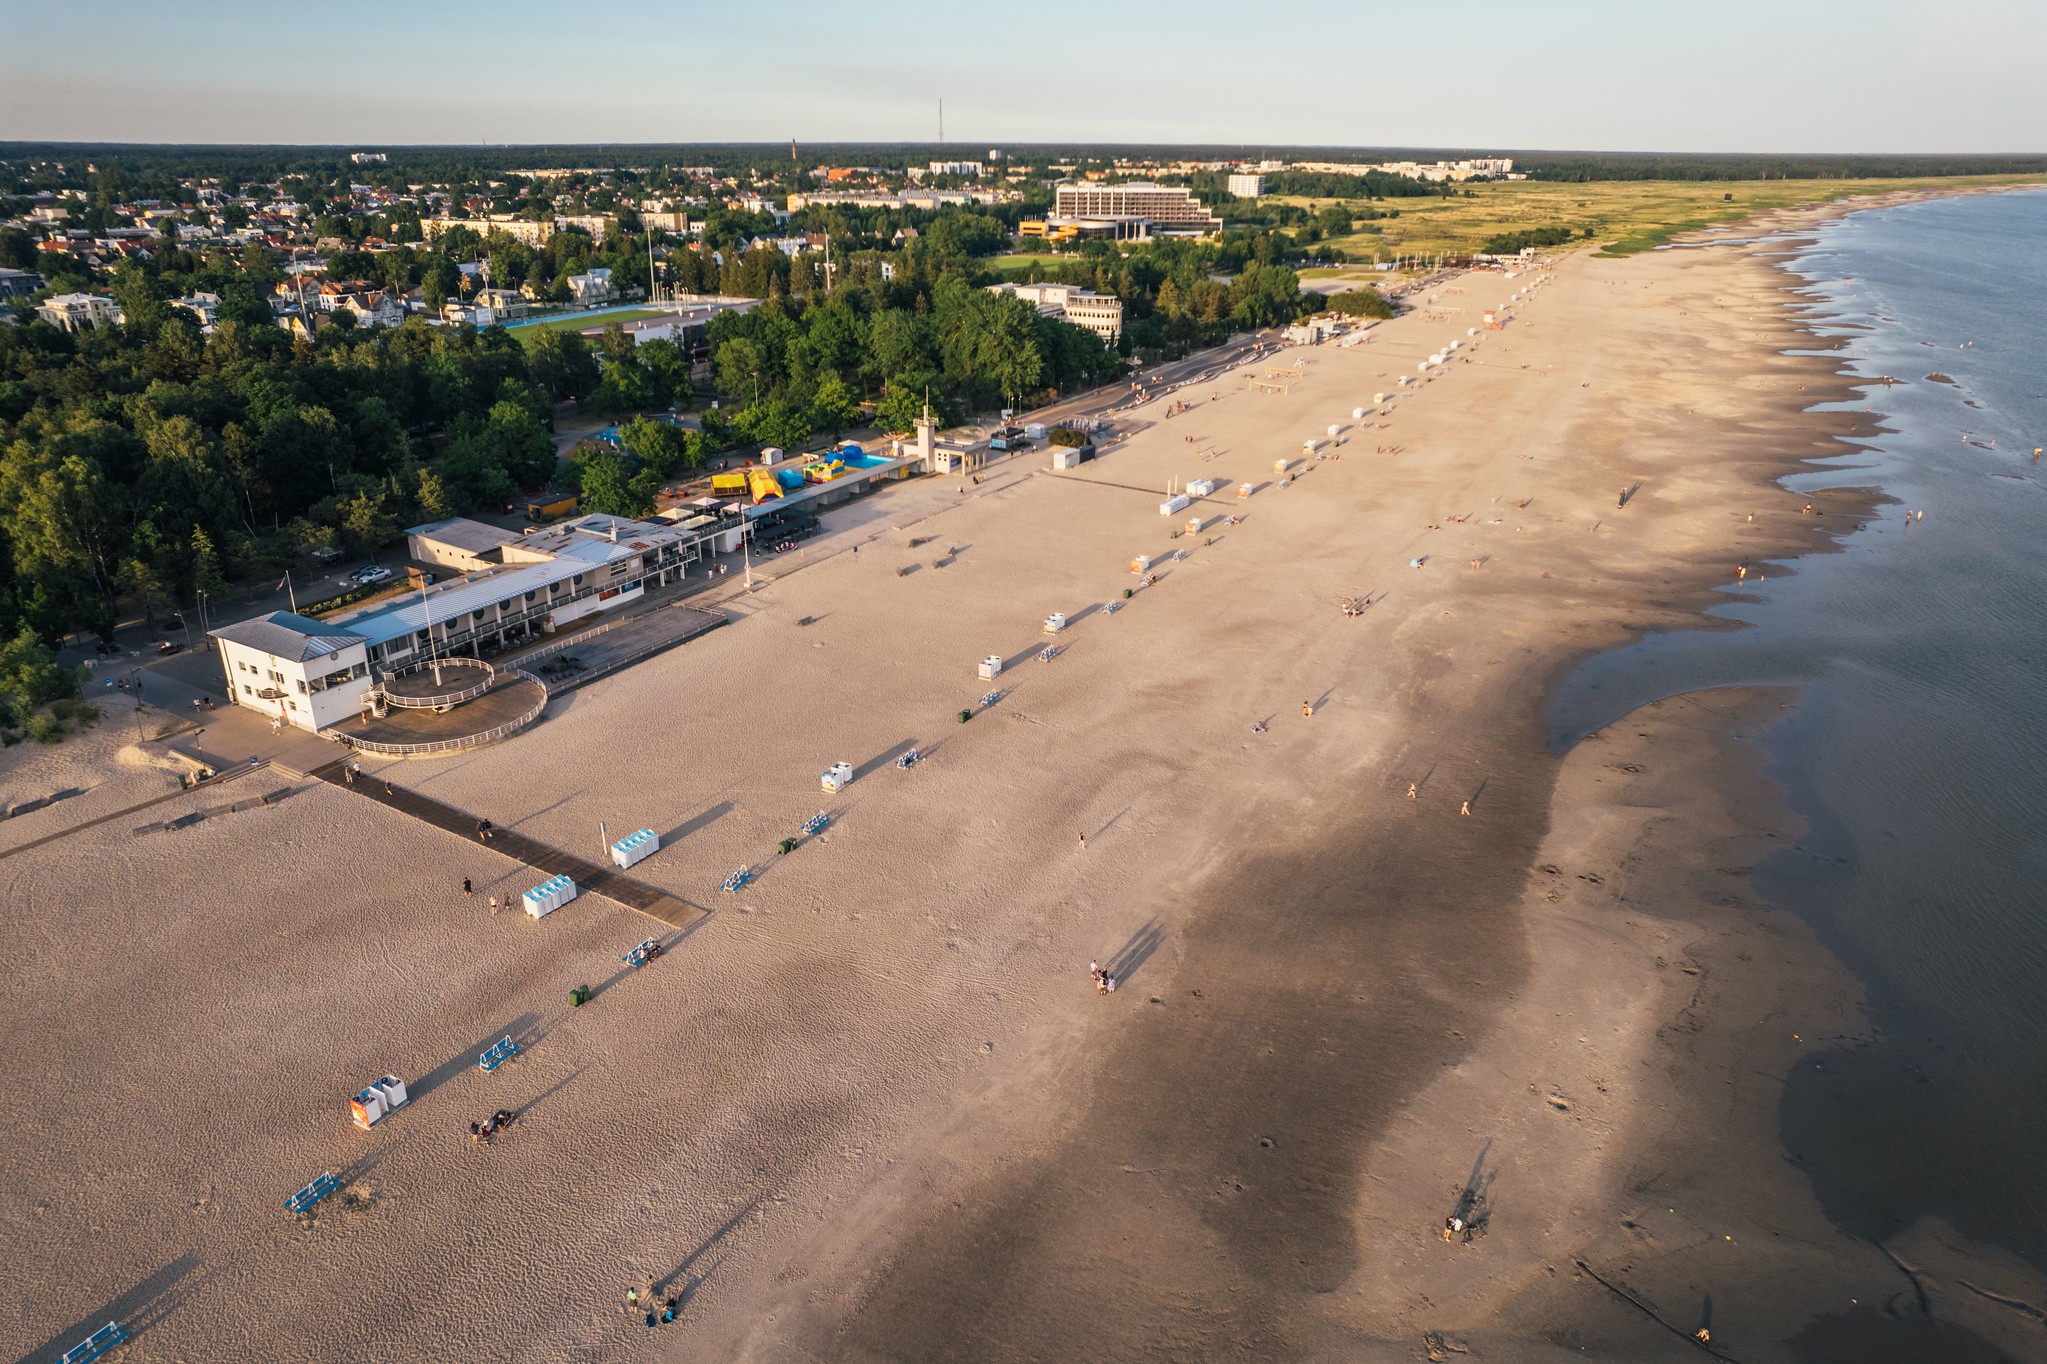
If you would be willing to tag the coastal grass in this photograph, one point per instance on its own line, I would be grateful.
(1624, 216)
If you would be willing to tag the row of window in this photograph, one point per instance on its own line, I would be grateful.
(250, 692)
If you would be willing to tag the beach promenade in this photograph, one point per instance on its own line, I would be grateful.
(1383, 957)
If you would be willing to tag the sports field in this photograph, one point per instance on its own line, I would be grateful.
(576, 322)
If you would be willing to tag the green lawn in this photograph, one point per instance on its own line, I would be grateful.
(1017, 262)
(575, 322)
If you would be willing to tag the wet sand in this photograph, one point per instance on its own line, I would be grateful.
(871, 1107)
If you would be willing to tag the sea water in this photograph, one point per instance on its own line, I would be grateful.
(1917, 752)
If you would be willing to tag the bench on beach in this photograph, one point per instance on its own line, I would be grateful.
(96, 1344)
(305, 1198)
(499, 1053)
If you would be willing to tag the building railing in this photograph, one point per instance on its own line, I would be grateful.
(439, 700)
(492, 735)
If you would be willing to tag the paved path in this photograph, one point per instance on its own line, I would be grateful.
(588, 876)
(226, 775)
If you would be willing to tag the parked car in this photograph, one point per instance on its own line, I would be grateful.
(325, 555)
(368, 573)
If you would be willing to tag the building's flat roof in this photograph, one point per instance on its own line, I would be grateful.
(577, 546)
(459, 532)
(474, 592)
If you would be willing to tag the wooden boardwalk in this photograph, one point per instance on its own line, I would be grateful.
(589, 876)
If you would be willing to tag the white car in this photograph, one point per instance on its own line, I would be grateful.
(369, 573)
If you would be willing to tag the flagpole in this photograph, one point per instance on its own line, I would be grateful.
(291, 591)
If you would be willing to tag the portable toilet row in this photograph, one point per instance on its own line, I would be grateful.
(1054, 623)
(1202, 487)
(1176, 503)
(548, 896)
(990, 666)
(836, 777)
(1034, 430)
(635, 848)
(378, 1102)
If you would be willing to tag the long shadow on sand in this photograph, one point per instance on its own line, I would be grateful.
(1135, 953)
(687, 1272)
(520, 1030)
(668, 944)
(139, 1308)
(885, 757)
(701, 820)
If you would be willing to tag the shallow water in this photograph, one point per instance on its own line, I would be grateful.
(1918, 754)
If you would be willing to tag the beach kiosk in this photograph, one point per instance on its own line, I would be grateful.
(378, 1102)
(550, 895)
(837, 777)
(990, 666)
(634, 848)
(1055, 622)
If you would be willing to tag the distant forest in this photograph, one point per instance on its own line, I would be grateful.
(445, 163)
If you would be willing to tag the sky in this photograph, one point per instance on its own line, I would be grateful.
(1645, 75)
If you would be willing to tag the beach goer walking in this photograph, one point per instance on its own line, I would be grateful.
(632, 1301)
(1414, 791)
(1083, 840)
(493, 904)
(467, 887)
(1308, 709)
(1467, 808)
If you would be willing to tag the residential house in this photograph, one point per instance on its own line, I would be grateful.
(377, 308)
(205, 307)
(72, 311)
(504, 304)
(592, 288)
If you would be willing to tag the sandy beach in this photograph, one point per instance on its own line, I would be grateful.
(871, 1107)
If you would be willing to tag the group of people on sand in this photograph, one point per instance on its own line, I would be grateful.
(657, 1313)
(1105, 983)
(480, 1133)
